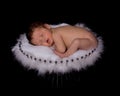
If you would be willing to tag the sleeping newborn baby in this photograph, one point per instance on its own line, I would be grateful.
(66, 39)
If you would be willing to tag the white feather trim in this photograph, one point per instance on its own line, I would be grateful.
(44, 60)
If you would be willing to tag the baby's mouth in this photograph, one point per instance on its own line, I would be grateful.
(48, 41)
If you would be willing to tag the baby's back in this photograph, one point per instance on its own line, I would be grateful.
(69, 33)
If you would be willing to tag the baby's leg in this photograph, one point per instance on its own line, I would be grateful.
(77, 43)
(73, 48)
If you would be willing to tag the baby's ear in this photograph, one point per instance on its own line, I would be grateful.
(47, 26)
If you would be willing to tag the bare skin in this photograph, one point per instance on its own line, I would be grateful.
(66, 39)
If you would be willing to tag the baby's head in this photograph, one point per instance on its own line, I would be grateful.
(40, 34)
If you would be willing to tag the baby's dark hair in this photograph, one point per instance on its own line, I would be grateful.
(32, 27)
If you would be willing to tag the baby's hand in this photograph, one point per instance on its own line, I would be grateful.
(61, 55)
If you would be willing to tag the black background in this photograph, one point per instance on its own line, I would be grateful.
(15, 19)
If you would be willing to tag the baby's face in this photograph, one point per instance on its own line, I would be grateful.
(42, 36)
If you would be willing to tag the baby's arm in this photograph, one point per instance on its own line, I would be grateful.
(59, 43)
